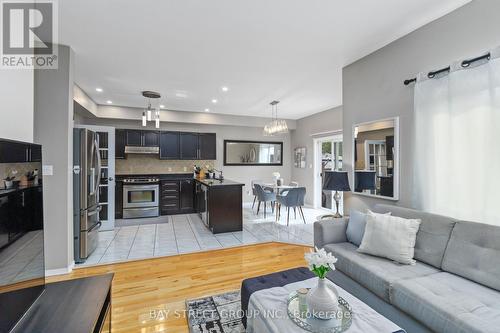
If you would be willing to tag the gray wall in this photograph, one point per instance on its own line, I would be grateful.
(16, 115)
(244, 174)
(326, 121)
(373, 86)
(53, 126)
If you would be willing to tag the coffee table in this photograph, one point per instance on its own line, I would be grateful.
(264, 300)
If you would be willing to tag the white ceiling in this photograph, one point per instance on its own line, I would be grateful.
(288, 50)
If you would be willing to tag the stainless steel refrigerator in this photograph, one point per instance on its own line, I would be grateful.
(86, 179)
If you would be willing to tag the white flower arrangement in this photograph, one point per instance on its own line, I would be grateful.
(276, 175)
(320, 262)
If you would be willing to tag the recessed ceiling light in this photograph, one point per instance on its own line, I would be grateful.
(214, 101)
(207, 110)
(225, 89)
(109, 102)
(162, 106)
(98, 89)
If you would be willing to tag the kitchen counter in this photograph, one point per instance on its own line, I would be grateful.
(218, 182)
(17, 189)
(219, 203)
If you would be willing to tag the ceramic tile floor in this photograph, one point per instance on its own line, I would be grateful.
(186, 233)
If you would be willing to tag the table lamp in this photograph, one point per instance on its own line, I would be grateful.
(364, 180)
(336, 181)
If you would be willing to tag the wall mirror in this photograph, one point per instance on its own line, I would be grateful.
(376, 159)
(238, 152)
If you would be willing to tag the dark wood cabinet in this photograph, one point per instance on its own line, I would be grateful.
(150, 138)
(189, 146)
(138, 138)
(134, 138)
(118, 199)
(220, 205)
(14, 152)
(169, 146)
(207, 146)
(177, 196)
(35, 153)
(173, 145)
(186, 203)
(120, 141)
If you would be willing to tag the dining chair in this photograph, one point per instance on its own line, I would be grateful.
(264, 196)
(291, 198)
(253, 190)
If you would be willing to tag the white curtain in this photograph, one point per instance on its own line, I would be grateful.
(457, 143)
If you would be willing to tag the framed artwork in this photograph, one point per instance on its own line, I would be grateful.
(300, 157)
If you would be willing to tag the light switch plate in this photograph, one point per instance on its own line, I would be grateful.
(48, 170)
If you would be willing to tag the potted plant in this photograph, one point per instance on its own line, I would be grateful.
(210, 171)
(322, 300)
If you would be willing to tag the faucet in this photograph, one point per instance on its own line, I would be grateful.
(221, 177)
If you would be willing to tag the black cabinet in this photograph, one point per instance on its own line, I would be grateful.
(134, 138)
(169, 146)
(173, 145)
(207, 146)
(177, 196)
(120, 141)
(150, 138)
(118, 199)
(15, 152)
(139, 138)
(189, 145)
(186, 195)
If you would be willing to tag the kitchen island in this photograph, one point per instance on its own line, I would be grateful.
(219, 203)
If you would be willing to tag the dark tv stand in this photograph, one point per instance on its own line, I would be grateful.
(74, 306)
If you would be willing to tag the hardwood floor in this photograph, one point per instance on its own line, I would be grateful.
(161, 285)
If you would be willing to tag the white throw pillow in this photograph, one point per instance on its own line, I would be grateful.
(390, 237)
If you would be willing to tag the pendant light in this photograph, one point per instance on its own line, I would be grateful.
(147, 114)
(275, 126)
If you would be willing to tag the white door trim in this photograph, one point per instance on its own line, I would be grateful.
(316, 165)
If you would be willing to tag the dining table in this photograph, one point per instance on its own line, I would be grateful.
(278, 189)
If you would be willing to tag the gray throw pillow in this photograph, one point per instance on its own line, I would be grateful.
(356, 227)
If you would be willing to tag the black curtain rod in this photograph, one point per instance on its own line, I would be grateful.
(465, 63)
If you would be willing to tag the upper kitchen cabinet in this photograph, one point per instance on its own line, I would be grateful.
(138, 138)
(208, 146)
(150, 138)
(169, 146)
(19, 152)
(189, 146)
(120, 141)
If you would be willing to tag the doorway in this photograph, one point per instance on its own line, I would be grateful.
(328, 156)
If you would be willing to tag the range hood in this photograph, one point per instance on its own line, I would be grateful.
(142, 150)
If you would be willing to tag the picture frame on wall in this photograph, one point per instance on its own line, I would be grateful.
(300, 157)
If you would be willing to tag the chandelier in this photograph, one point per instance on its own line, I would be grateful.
(275, 126)
(151, 114)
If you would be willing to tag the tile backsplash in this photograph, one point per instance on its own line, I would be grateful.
(150, 164)
(21, 168)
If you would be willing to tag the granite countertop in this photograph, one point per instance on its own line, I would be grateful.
(4, 191)
(218, 182)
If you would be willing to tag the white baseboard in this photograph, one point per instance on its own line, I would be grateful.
(60, 271)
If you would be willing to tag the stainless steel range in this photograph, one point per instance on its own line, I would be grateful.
(141, 197)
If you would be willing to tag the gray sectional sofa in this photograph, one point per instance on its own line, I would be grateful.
(454, 287)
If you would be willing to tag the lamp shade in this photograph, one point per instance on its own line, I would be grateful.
(365, 180)
(336, 181)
